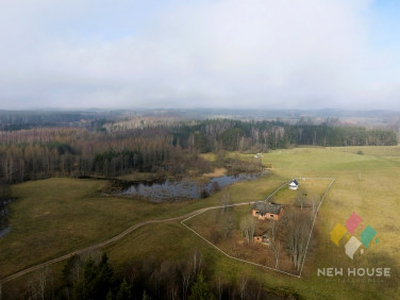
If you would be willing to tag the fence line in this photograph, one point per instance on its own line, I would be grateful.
(313, 224)
(266, 199)
(136, 226)
(276, 190)
(232, 257)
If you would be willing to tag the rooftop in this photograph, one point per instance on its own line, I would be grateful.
(270, 207)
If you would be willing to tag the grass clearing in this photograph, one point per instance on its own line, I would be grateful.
(78, 216)
(208, 156)
(218, 172)
(365, 185)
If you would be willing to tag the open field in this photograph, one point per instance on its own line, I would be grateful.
(78, 216)
(314, 187)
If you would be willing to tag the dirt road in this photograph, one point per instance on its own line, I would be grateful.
(109, 241)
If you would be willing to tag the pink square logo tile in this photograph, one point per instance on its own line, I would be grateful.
(352, 222)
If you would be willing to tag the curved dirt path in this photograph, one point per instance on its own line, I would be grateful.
(110, 241)
(123, 234)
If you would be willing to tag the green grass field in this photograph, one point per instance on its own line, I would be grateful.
(79, 216)
(55, 216)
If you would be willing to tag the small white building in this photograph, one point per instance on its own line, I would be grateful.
(294, 185)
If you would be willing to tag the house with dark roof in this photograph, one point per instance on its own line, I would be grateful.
(294, 185)
(267, 211)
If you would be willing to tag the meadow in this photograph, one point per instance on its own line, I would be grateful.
(52, 217)
(79, 216)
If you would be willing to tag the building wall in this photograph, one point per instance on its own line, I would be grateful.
(261, 240)
(267, 216)
(275, 216)
(257, 239)
(257, 215)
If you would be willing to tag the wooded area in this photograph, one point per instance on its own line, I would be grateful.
(92, 277)
(171, 147)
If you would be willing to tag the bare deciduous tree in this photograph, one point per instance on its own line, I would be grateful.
(276, 228)
(225, 201)
(197, 260)
(248, 226)
(276, 247)
(243, 283)
(186, 278)
(298, 231)
(169, 274)
(40, 285)
(301, 198)
(189, 269)
(220, 285)
(228, 221)
(215, 234)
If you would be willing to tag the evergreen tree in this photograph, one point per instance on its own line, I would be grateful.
(124, 292)
(200, 289)
(146, 296)
(97, 280)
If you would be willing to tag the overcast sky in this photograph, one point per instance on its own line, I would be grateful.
(266, 54)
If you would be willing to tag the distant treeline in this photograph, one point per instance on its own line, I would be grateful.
(235, 135)
(48, 152)
(19, 120)
(170, 147)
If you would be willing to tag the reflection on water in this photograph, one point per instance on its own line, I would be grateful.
(4, 226)
(187, 189)
(5, 231)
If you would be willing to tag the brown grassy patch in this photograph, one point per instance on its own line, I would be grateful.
(218, 172)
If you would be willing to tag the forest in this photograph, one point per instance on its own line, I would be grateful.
(91, 276)
(160, 145)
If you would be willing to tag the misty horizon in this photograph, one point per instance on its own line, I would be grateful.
(268, 55)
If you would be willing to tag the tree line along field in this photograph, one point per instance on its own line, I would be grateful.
(164, 147)
(79, 216)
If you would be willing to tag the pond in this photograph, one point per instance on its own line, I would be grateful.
(186, 189)
(4, 225)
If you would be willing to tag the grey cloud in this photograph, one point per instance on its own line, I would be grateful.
(270, 54)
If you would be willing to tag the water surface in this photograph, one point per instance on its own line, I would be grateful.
(185, 189)
(4, 225)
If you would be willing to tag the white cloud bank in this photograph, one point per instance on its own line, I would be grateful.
(255, 54)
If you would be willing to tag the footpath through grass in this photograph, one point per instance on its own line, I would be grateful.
(56, 216)
(364, 185)
(53, 217)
